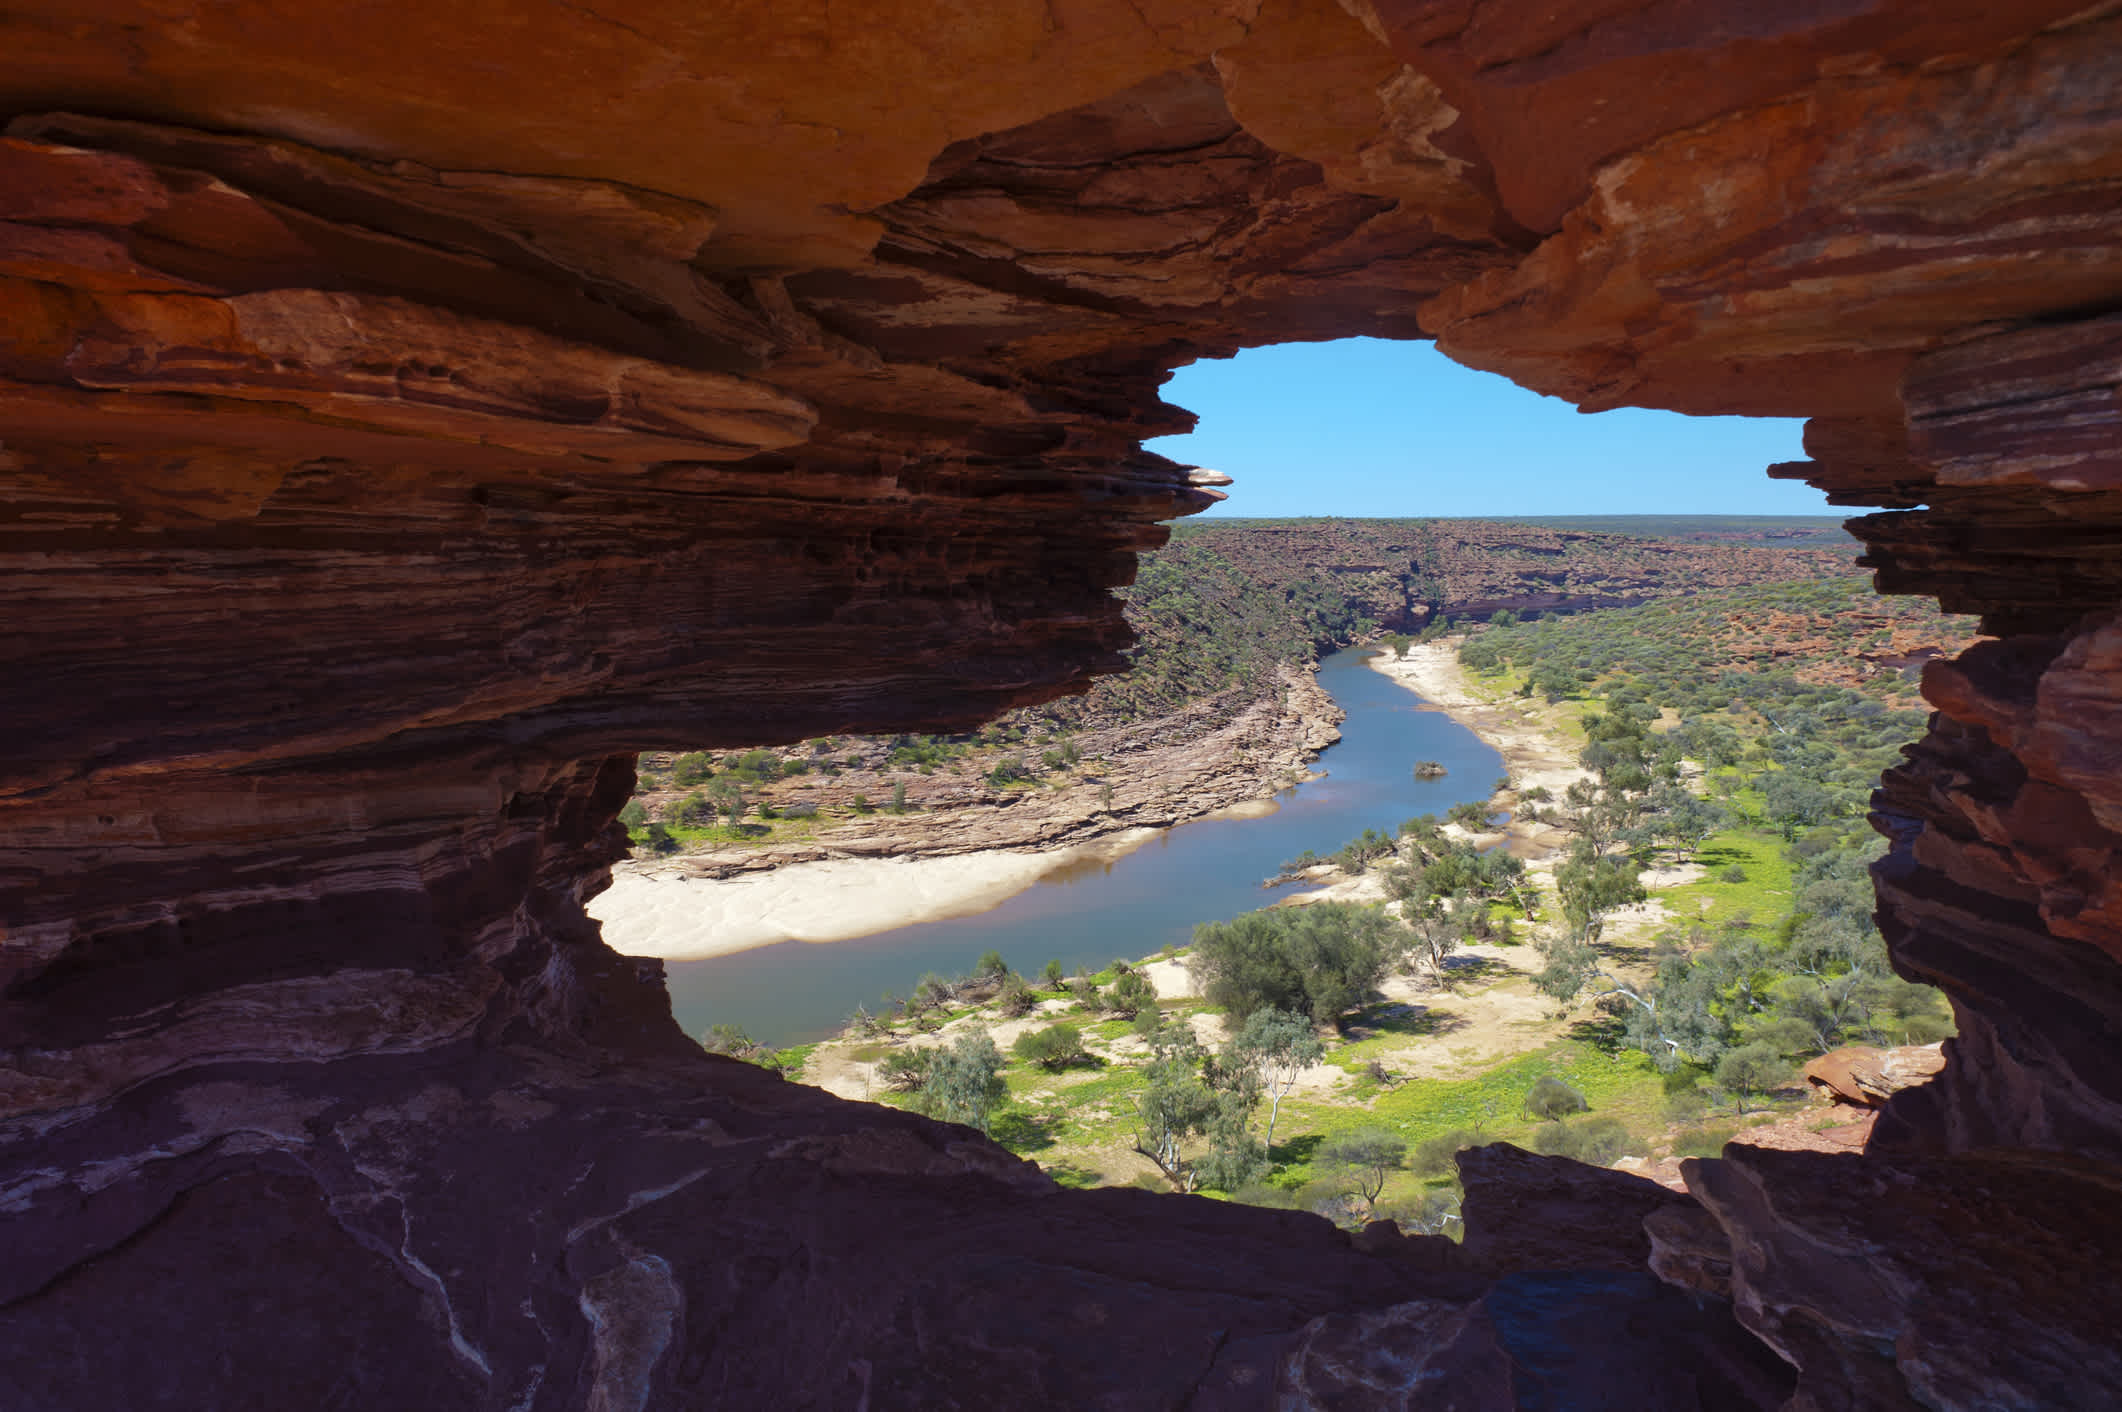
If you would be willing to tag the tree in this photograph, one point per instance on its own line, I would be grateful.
(1750, 1069)
(1591, 884)
(898, 805)
(1277, 1046)
(1054, 976)
(965, 1081)
(906, 1070)
(726, 795)
(1438, 928)
(1320, 960)
(1791, 801)
(634, 815)
(1174, 1107)
(1686, 818)
(1367, 1157)
(1054, 1048)
(1131, 995)
(660, 840)
(991, 966)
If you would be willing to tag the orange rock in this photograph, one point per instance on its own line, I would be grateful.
(1867, 1077)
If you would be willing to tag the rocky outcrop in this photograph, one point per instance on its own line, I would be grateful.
(406, 418)
(1864, 1077)
(1150, 774)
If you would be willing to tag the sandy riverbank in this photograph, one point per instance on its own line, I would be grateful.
(1533, 749)
(668, 912)
(896, 870)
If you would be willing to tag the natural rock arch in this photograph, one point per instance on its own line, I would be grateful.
(409, 413)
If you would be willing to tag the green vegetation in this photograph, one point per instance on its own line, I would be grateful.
(1321, 960)
(1338, 1055)
(1771, 531)
(1784, 960)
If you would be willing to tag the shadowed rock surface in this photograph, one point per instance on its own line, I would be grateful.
(406, 415)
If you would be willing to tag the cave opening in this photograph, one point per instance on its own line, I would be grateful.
(387, 460)
(1369, 427)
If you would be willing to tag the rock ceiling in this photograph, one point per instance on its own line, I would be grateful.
(407, 412)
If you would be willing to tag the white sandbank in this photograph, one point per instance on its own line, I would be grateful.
(663, 911)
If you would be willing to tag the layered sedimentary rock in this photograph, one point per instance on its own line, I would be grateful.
(406, 414)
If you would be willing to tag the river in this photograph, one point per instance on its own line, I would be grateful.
(1088, 913)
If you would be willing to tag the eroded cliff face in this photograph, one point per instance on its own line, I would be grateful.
(407, 414)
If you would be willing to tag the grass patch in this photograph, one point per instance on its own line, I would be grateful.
(1764, 895)
(795, 1057)
(1626, 1086)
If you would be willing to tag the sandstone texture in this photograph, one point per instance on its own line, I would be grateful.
(408, 413)
(1865, 1077)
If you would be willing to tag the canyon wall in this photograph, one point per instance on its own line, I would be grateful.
(409, 412)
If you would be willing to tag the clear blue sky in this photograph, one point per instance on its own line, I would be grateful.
(1368, 427)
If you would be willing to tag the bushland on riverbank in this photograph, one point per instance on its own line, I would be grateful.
(1742, 951)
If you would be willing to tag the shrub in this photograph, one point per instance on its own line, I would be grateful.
(1056, 1047)
(694, 811)
(634, 815)
(990, 966)
(1259, 1193)
(1433, 1157)
(1750, 1069)
(1733, 874)
(1054, 976)
(932, 992)
(906, 1070)
(727, 1039)
(691, 769)
(1016, 997)
(1131, 995)
(1009, 770)
(1596, 1141)
(1552, 1099)
(965, 1081)
(1471, 815)
(1705, 1141)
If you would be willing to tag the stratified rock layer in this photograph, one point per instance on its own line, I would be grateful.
(408, 414)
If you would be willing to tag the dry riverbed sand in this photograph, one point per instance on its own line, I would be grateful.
(668, 909)
(678, 916)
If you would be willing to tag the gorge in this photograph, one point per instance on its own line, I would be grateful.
(409, 414)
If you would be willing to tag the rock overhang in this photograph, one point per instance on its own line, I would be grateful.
(406, 420)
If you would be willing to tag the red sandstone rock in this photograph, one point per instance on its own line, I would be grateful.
(1524, 1211)
(1867, 1077)
(1980, 1280)
(406, 416)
